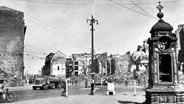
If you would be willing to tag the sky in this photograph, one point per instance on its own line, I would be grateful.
(61, 25)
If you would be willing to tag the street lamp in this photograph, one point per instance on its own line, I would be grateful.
(92, 21)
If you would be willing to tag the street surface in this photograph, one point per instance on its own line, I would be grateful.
(26, 94)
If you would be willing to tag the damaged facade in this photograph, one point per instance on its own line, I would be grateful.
(12, 34)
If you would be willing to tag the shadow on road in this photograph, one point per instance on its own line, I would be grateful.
(127, 102)
(29, 94)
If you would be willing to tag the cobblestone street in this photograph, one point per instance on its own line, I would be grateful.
(77, 95)
(87, 99)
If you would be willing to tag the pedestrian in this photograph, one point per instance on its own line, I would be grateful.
(63, 93)
(126, 82)
(86, 82)
(92, 86)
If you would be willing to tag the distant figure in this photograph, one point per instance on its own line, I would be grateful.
(86, 82)
(30, 81)
(63, 93)
(126, 82)
(92, 86)
(76, 82)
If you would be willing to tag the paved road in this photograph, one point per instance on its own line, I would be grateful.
(26, 93)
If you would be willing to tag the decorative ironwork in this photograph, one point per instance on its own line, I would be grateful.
(160, 7)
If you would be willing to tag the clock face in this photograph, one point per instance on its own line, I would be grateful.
(164, 43)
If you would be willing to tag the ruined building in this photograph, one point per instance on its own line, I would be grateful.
(180, 48)
(12, 33)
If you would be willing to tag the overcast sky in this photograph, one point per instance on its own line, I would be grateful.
(54, 25)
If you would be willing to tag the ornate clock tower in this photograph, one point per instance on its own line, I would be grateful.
(163, 80)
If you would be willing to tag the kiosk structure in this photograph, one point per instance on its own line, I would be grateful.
(163, 80)
(110, 88)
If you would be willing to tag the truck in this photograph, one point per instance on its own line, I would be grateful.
(47, 82)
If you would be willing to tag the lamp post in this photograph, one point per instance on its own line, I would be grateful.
(92, 21)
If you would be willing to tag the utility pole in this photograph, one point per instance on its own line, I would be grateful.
(92, 21)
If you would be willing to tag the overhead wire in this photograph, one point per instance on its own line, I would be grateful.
(131, 9)
(43, 26)
(173, 1)
(33, 54)
(142, 9)
(64, 34)
(8, 55)
(64, 3)
(147, 14)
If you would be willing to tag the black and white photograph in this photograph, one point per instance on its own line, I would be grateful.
(91, 52)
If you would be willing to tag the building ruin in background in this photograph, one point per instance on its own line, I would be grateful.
(180, 45)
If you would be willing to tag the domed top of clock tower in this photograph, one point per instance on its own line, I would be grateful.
(161, 25)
